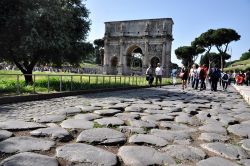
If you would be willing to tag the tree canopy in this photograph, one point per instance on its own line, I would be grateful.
(48, 31)
(99, 50)
(245, 56)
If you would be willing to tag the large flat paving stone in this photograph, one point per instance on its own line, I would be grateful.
(213, 137)
(143, 155)
(245, 144)
(49, 118)
(141, 124)
(19, 125)
(55, 133)
(226, 150)
(77, 124)
(101, 136)
(88, 108)
(110, 121)
(127, 116)
(24, 144)
(68, 111)
(148, 139)
(129, 129)
(29, 159)
(242, 130)
(213, 128)
(107, 112)
(87, 117)
(157, 117)
(86, 154)
(147, 106)
(216, 161)
(5, 134)
(183, 152)
(177, 126)
(133, 109)
(171, 135)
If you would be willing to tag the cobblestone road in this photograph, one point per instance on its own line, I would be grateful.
(155, 126)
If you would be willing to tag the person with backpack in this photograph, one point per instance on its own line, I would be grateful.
(215, 75)
(184, 76)
(202, 76)
(149, 75)
(225, 80)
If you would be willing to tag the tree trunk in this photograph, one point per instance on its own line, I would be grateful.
(28, 77)
(221, 62)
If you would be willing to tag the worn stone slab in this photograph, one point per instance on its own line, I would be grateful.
(86, 154)
(129, 129)
(146, 106)
(141, 124)
(119, 106)
(243, 116)
(77, 124)
(55, 133)
(242, 130)
(133, 109)
(5, 134)
(68, 111)
(29, 159)
(127, 116)
(143, 155)
(245, 144)
(148, 139)
(226, 150)
(110, 121)
(171, 135)
(24, 144)
(213, 128)
(245, 162)
(157, 117)
(85, 109)
(213, 137)
(184, 152)
(19, 125)
(177, 126)
(107, 112)
(49, 118)
(101, 136)
(216, 161)
(88, 116)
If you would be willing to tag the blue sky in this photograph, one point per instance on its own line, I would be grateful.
(191, 18)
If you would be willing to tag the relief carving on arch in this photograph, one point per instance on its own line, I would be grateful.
(155, 49)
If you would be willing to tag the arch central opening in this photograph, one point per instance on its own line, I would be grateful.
(135, 60)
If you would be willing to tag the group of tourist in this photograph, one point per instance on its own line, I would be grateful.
(198, 75)
(150, 72)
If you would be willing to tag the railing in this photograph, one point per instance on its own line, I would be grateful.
(49, 83)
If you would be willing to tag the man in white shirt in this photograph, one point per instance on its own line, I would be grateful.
(158, 73)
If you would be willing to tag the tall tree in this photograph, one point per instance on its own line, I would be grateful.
(213, 59)
(35, 31)
(245, 56)
(205, 41)
(221, 39)
(99, 50)
(188, 54)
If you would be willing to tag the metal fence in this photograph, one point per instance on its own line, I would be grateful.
(49, 83)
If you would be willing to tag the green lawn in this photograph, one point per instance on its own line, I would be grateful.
(11, 83)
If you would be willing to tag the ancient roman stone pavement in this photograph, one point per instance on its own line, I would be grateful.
(155, 126)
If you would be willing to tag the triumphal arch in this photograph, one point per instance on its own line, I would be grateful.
(131, 46)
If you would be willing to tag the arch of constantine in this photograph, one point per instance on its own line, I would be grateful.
(131, 46)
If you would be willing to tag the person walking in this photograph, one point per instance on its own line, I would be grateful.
(214, 76)
(149, 75)
(184, 77)
(174, 74)
(202, 76)
(194, 77)
(158, 73)
(248, 77)
(225, 79)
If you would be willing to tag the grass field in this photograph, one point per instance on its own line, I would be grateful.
(12, 82)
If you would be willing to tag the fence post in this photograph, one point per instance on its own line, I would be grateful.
(34, 86)
(136, 81)
(128, 80)
(60, 83)
(109, 80)
(103, 79)
(96, 81)
(89, 80)
(17, 84)
(81, 81)
(120, 80)
(48, 83)
(124, 81)
(71, 82)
